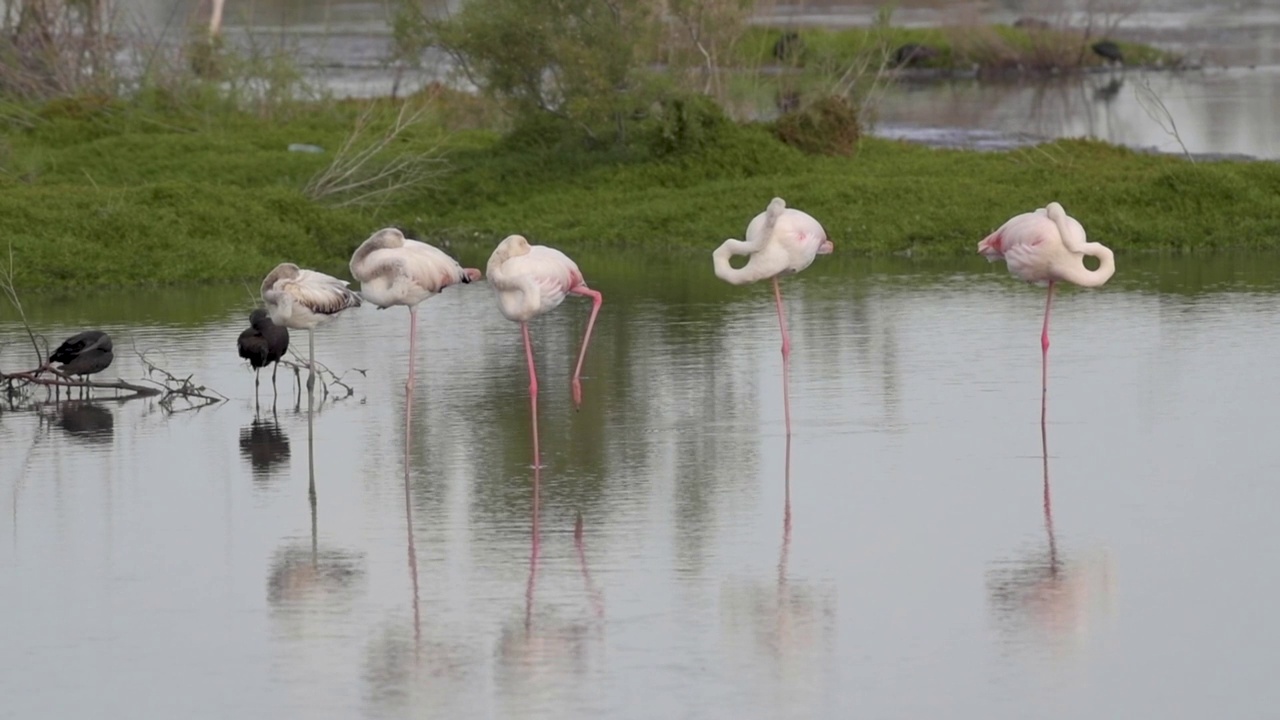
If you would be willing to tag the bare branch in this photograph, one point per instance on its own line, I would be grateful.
(366, 170)
(11, 293)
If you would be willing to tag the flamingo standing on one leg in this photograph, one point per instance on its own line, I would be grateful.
(531, 280)
(780, 241)
(303, 300)
(395, 271)
(1044, 247)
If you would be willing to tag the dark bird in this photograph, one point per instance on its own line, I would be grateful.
(262, 344)
(84, 354)
(788, 46)
(1108, 51)
(911, 54)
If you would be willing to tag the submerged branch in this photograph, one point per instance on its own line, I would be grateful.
(14, 382)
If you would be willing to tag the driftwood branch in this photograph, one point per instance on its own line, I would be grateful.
(177, 388)
(324, 374)
(14, 382)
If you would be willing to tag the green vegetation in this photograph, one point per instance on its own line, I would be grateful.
(600, 125)
(987, 48)
(110, 194)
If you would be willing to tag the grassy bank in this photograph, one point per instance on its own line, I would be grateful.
(114, 195)
(986, 48)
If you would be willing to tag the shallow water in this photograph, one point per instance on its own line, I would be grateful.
(173, 565)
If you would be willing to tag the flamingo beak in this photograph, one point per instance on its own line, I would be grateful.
(826, 248)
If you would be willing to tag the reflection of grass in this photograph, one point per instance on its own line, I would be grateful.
(986, 47)
(121, 197)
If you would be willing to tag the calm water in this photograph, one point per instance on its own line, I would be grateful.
(172, 565)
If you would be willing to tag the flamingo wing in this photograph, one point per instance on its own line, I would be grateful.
(1025, 243)
(320, 293)
(551, 270)
(432, 267)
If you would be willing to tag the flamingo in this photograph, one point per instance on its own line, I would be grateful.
(781, 241)
(302, 299)
(1045, 247)
(263, 343)
(530, 280)
(395, 271)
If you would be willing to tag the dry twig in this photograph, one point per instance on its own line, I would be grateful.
(367, 170)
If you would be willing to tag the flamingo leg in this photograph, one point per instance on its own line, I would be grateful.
(1044, 345)
(311, 361)
(786, 356)
(533, 393)
(255, 383)
(413, 332)
(596, 299)
(274, 368)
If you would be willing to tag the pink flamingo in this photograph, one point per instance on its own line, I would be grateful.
(301, 299)
(531, 280)
(780, 241)
(1044, 247)
(395, 271)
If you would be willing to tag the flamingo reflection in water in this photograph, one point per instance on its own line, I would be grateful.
(1045, 595)
(789, 625)
(538, 650)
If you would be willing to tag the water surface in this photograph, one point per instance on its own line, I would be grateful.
(902, 564)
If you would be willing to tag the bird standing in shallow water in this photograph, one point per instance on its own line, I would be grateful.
(780, 241)
(1044, 247)
(530, 280)
(262, 344)
(84, 354)
(303, 300)
(395, 271)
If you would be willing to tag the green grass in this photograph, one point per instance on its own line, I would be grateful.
(124, 197)
(986, 47)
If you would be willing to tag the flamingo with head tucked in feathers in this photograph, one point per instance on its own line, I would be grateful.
(303, 300)
(1044, 247)
(393, 270)
(780, 241)
(530, 280)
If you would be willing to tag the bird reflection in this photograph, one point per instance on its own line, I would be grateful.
(408, 519)
(302, 574)
(597, 598)
(87, 421)
(265, 445)
(790, 625)
(1040, 592)
(540, 651)
(1106, 93)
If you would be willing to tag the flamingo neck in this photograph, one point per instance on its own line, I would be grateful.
(730, 274)
(1078, 274)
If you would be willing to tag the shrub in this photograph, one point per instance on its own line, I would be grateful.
(826, 127)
